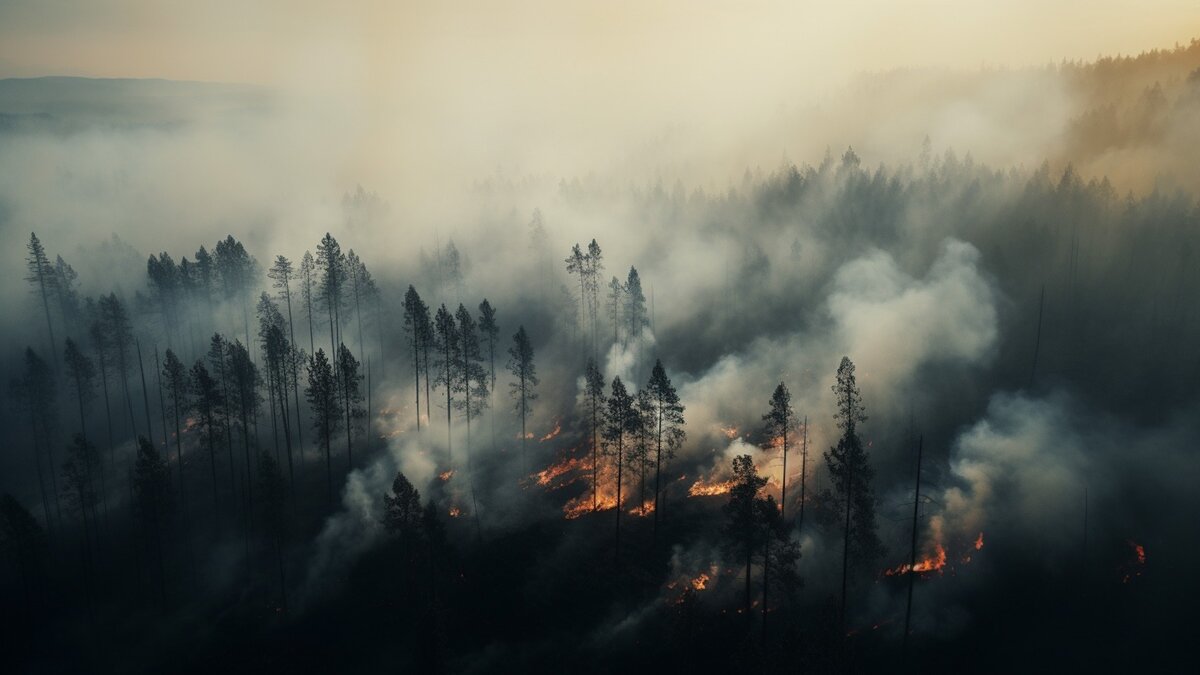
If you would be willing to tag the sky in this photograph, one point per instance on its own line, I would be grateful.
(446, 92)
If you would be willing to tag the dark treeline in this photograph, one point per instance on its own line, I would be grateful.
(207, 486)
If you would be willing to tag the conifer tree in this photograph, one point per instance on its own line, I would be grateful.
(521, 366)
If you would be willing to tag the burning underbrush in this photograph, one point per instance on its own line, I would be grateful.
(934, 559)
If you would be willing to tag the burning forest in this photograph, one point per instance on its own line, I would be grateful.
(518, 337)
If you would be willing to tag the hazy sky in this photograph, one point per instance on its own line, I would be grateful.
(556, 43)
(562, 87)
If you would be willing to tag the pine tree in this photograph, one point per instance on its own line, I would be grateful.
(239, 272)
(178, 389)
(244, 400)
(281, 275)
(446, 342)
(742, 529)
(472, 376)
(780, 420)
(635, 307)
(616, 307)
(667, 422)
(66, 282)
(349, 384)
(279, 359)
(520, 365)
(593, 269)
(489, 332)
(594, 392)
(322, 400)
(81, 374)
(331, 263)
(208, 403)
(851, 472)
(118, 335)
(41, 276)
(620, 423)
(577, 264)
(308, 268)
(416, 327)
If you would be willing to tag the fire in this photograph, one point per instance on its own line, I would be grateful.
(645, 509)
(546, 477)
(703, 489)
(775, 443)
(731, 431)
(1129, 572)
(1140, 551)
(455, 512)
(554, 433)
(933, 563)
(446, 475)
(979, 542)
(701, 582)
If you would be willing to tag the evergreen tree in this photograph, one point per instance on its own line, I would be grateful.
(593, 268)
(520, 365)
(178, 389)
(616, 307)
(208, 402)
(244, 401)
(666, 421)
(577, 264)
(66, 282)
(620, 423)
(489, 333)
(472, 376)
(238, 272)
(41, 276)
(594, 392)
(446, 342)
(780, 420)
(308, 268)
(635, 306)
(349, 384)
(281, 275)
(118, 335)
(277, 351)
(416, 327)
(322, 400)
(743, 529)
(331, 263)
(81, 373)
(851, 473)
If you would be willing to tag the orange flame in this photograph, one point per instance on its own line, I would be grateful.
(1140, 551)
(731, 431)
(704, 489)
(455, 512)
(446, 475)
(554, 433)
(979, 542)
(645, 509)
(701, 582)
(934, 563)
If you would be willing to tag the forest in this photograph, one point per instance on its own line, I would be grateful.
(915, 411)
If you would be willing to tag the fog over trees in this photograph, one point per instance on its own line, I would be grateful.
(916, 409)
